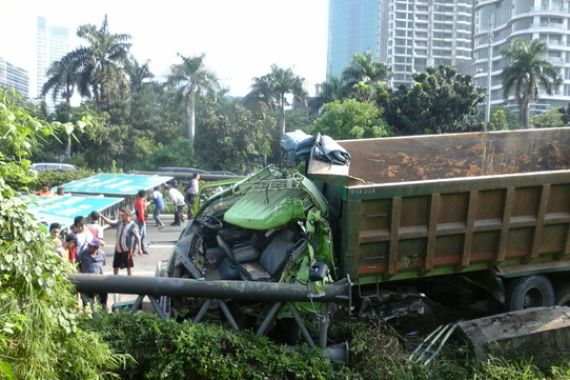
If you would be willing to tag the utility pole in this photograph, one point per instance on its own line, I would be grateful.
(489, 74)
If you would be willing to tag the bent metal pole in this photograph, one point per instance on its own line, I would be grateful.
(179, 287)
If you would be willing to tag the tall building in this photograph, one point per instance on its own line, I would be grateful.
(52, 44)
(499, 22)
(425, 33)
(14, 77)
(353, 28)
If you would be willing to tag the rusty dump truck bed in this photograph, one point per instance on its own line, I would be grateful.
(434, 205)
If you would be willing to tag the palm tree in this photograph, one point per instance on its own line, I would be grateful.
(100, 67)
(364, 70)
(138, 74)
(61, 80)
(527, 73)
(190, 78)
(272, 89)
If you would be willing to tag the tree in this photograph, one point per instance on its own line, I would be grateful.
(527, 73)
(365, 68)
(439, 102)
(62, 79)
(191, 78)
(565, 113)
(99, 68)
(502, 119)
(235, 134)
(40, 336)
(351, 119)
(273, 88)
(552, 118)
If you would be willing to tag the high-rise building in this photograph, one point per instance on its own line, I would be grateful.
(499, 22)
(52, 44)
(14, 77)
(425, 33)
(353, 28)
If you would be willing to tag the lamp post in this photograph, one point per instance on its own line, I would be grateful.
(489, 74)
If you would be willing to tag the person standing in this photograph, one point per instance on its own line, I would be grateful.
(191, 193)
(55, 236)
(158, 201)
(128, 240)
(94, 227)
(91, 260)
(140, 219)
(83, 235)
(70, 246)
(178, 200)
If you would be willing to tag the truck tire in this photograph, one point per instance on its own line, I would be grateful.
(529, 291)
(563, 295)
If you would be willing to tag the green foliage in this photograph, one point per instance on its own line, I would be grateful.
(166, 349)
(234, 134)
(351, 119)
(527, 73)
(502, 119)
(552, 118)
(438, 103)
(39, 334)
(56, 178)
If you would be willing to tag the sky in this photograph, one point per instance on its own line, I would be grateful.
(241, 39)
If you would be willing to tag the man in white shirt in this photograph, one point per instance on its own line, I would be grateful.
(191, 192)
(178, 200)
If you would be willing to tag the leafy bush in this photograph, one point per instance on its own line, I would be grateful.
(39, 334)
(167, 349)
(56, 178)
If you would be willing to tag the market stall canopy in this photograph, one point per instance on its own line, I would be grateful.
(115, 184)
(63, 209)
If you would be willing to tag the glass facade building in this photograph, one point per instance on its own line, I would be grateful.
(353, 28)
(14, 77)
(52, 44)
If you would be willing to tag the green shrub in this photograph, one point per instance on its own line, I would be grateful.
(56, 178)
(167, 349)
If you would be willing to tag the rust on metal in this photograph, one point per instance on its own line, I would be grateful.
(394, 233)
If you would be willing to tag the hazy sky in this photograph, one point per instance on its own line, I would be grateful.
(241, 38)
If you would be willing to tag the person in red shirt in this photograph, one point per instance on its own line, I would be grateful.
(71, 247)
(140, 210)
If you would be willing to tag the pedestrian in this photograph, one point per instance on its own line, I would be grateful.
(191, 192)
(158, 201)
(140, 219)
(70, 246)
(128, 238)
(55, 236)
(96, 229)
(83, 235)
(45, 191)
(178, 200)
(91, 260)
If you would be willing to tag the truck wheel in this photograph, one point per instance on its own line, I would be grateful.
(530, 291)
(563, 295)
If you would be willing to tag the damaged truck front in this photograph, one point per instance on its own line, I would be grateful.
(461, 218)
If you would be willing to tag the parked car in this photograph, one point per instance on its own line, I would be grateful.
(53, 166)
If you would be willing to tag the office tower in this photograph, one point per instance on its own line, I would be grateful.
(425, 33)
(353, 28)
(52, 44)
(499, 22)
(14, 77)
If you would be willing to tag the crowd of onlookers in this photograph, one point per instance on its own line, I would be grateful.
(82, 244)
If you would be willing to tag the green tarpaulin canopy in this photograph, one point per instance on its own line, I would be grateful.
(62, 209)
(115, 184)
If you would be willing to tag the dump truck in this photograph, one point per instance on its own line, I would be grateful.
(457, 217)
